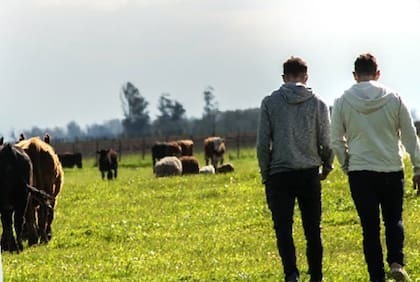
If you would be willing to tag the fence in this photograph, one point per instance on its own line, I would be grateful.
(143, 145)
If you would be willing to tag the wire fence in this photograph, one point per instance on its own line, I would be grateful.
(234, 143)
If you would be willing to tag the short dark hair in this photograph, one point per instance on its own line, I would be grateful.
(366, 64)
(295, 66)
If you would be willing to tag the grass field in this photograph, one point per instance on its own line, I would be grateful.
(191, 228)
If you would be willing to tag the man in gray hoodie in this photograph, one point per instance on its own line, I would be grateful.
(292, 143)
(369, 122)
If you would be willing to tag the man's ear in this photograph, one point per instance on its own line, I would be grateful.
(284, 77)
(305, 78)
(356, 77)
(377, 74)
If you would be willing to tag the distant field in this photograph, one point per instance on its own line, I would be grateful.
(191, 228)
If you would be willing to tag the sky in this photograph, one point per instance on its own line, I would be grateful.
(67, 60)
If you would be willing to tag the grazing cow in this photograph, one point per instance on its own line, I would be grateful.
(214, 149)
(108, 162)
(225, 168)
(190, 165)
(70, 160)
(168, 166)
(48, 177)
(165, 149)
(187, 146)
(208, 169)
(15, 176)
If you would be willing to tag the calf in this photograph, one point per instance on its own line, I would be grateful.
(108, 163)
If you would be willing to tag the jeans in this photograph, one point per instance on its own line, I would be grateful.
(282, 190)
(372, 192)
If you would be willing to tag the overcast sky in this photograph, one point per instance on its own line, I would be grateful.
(66, 60)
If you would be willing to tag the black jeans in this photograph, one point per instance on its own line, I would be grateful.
(282, 190)
(372, 192)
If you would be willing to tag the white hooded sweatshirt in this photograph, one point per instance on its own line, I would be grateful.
(368, 125)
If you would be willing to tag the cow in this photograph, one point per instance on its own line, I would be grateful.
(165, 149)
(190, 165)
(108, 162)
(208, 169)
(187, 146)
(15, 176)
(225, 168)
(168, 166)
(48, 177)
(69, 160)
(214, 149)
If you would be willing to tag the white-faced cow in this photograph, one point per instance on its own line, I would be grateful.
(108, 163)
(214, 149)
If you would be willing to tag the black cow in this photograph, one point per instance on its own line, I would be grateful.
(15, 179)
(165, 149)
(108, 162)
(70, 160)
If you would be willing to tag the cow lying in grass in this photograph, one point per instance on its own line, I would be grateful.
(168, 166)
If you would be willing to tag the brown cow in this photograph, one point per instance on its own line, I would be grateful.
(48, 177)
(190, 165)
(214, 149)
(187, 146)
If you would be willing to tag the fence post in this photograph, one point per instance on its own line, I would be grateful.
(238, 145)
(143, 148)
(119, 149)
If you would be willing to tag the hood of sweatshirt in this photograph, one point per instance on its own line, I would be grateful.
(295, 93)
(368, 96)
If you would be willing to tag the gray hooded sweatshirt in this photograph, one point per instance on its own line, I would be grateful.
(369, 124)
(293, 132)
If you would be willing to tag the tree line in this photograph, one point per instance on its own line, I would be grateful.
(170, 121)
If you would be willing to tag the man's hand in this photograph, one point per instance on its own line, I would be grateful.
(416, 183)
(323, 175)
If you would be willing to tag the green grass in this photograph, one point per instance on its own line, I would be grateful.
(191, 228)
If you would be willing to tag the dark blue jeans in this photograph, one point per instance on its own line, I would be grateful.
(373, 192)
(282, 190)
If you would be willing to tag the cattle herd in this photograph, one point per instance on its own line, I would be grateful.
(177, 158)
(31, 178)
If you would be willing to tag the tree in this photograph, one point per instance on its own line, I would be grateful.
(137, 119)
(211, 109)
(74, 131)
(171, 119)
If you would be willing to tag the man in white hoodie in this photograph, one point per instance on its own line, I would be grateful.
(369, 122)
